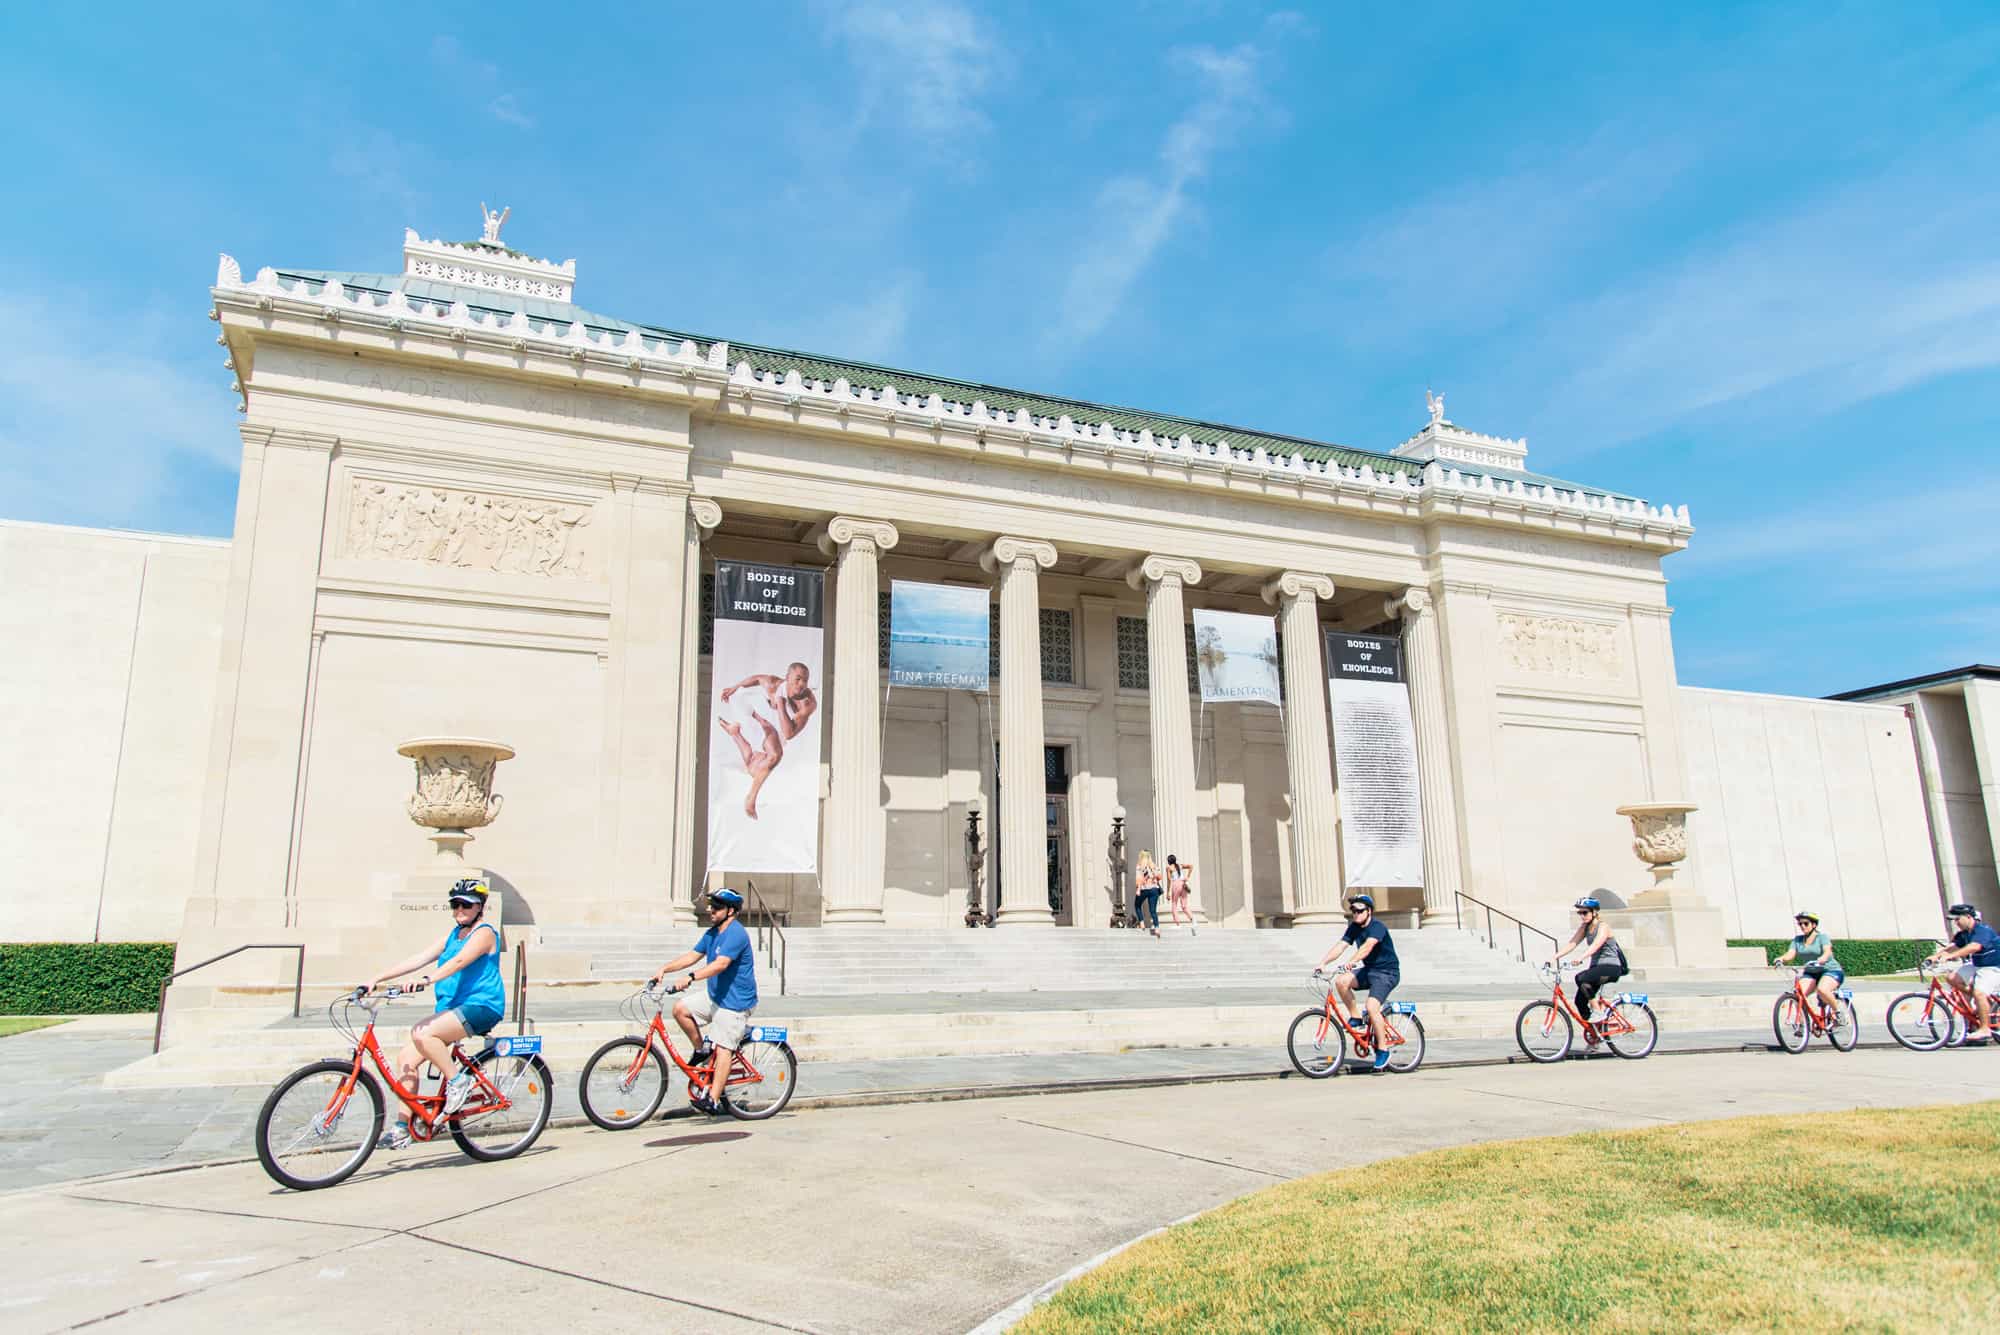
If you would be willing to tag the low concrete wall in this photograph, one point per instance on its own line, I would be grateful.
(1808, 804)
(107, 687)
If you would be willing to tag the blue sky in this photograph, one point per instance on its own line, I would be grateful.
(1737, 257)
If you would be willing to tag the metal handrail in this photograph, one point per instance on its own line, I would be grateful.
(298, 982)
(765, 929)
(1521, 929)
(520, 987)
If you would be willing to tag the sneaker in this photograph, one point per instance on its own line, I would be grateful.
(1590, 1039)
(397, 1137)
(704, 1104)
(456, 1091)
(1381, 1061)
(701, 1053)
(1978, 1035)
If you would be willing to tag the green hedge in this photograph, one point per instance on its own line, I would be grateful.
(1859, 958)
(83, 977)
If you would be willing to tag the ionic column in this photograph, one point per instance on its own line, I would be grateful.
(1020, 821)
(1423, 664)
(1163, 577)
(851, 877)
(703, 517)
(1317, 892)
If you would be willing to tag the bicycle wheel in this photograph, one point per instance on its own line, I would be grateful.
(761, 1080)
(1917, 1024)
(1637, 1035)
(504, 1132)
(623, 1083)
(1407, 1055)
(308, 1136)
(1790, 1024)
(1317, 1044)
(1846, 1031)
(1544, 1032)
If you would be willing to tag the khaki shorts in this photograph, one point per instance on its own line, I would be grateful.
(1985, 980)
(724, 1027)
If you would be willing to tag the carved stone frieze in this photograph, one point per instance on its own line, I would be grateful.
(469, 530)
(1558, 647)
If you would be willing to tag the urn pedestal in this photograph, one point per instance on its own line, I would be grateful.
(454, 796)
(1668, 925)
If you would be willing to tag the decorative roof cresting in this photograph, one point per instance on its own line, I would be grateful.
(487, 262)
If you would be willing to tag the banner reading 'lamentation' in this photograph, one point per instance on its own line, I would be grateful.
(1236, 656)
(1375, 756)
(763, 755)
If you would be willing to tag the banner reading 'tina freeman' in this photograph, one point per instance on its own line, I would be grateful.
(764, 717)
(939, 635)
(1375, 756)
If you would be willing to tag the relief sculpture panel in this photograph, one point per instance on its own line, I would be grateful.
(470, 530)
(1550, 646)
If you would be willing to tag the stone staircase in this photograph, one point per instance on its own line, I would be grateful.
(853, 961)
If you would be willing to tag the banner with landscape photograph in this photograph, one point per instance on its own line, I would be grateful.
(1236, 656)
(939, 635)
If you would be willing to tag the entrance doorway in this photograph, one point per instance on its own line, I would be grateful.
(1055, 809)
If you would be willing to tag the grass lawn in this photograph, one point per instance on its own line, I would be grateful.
(21, 1024)
(1879, 1220)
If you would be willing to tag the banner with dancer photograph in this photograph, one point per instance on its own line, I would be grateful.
(939, 635)
(763, 757)
(1375, 758)
(1236, 656)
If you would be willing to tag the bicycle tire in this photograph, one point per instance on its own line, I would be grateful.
(1408, 1055)
(1790, 1024)
(1308, 1047)
(1920, 1028)
(637, 1105)
(526, 1082)
(345, 1167)
(778, 1066)
(1643, 1036)
(1846, 1031)
(1545, 1029)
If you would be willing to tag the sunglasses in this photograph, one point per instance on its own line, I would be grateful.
(1357, 908)
(461, 903)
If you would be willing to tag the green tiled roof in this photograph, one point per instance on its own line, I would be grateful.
(810, 367)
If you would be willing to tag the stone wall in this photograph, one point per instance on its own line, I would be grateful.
(1808, 804)
(106, 690)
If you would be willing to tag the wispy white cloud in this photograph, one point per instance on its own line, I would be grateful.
(922, 66)
(483, 79)
(1136, 213)
(870, 328)
(95, 426)
(507, 109)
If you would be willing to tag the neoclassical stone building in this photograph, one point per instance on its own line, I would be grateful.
(470, 506)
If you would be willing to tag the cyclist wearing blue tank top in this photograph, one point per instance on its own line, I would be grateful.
(470, 999)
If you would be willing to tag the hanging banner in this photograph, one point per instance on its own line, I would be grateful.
(1375, 758)
(938, 635)
(1236, 656)
(763, 754)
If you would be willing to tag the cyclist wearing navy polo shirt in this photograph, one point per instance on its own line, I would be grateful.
(1374, 968)
(1977, 946)
(722, 956)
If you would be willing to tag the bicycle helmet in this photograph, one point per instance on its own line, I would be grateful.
(1586, 903)
(1806, 915)
(470, 891)
(1367, 900)
(726, 897)
(1962, 911)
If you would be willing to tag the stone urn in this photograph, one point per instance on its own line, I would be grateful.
(1660, 838)
(454, 790)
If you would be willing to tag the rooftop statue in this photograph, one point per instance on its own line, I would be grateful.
(494, 222)
(1435, 402)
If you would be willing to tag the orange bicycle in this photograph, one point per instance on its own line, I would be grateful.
(1799, 1014)
(311, 1134)
(1318, 1038)
(1934, 1018)
(1625, 1023)
(625, 1081)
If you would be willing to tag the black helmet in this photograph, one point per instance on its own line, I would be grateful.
(726, 897)
(1962, 911)
(469, 891)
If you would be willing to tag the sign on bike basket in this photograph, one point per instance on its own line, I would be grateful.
(517, 1045)
(764, 1033)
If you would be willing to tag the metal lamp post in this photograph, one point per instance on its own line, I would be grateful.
(975, 866)
(1117, 858)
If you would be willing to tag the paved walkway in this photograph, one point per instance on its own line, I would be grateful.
(919, 1217)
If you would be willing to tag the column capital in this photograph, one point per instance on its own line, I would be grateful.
(842, 530)
(1412, 601)
(1020, 553)
(1158, 569)
(706, 514)
(1297, 583)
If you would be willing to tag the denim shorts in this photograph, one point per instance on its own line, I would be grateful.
(1378, 983)
(1815, 973)
(477, 1019)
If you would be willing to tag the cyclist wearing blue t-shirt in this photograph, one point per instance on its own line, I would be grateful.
(722, 956)
(1977, 947)
(1374, 968)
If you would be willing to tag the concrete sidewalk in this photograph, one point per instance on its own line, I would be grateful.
(919, 1217)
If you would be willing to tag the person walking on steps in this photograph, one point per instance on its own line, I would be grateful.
(1146, 895)
(1178, 875)
(722, 957)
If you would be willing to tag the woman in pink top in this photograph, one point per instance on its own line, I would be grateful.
(1178, 873)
